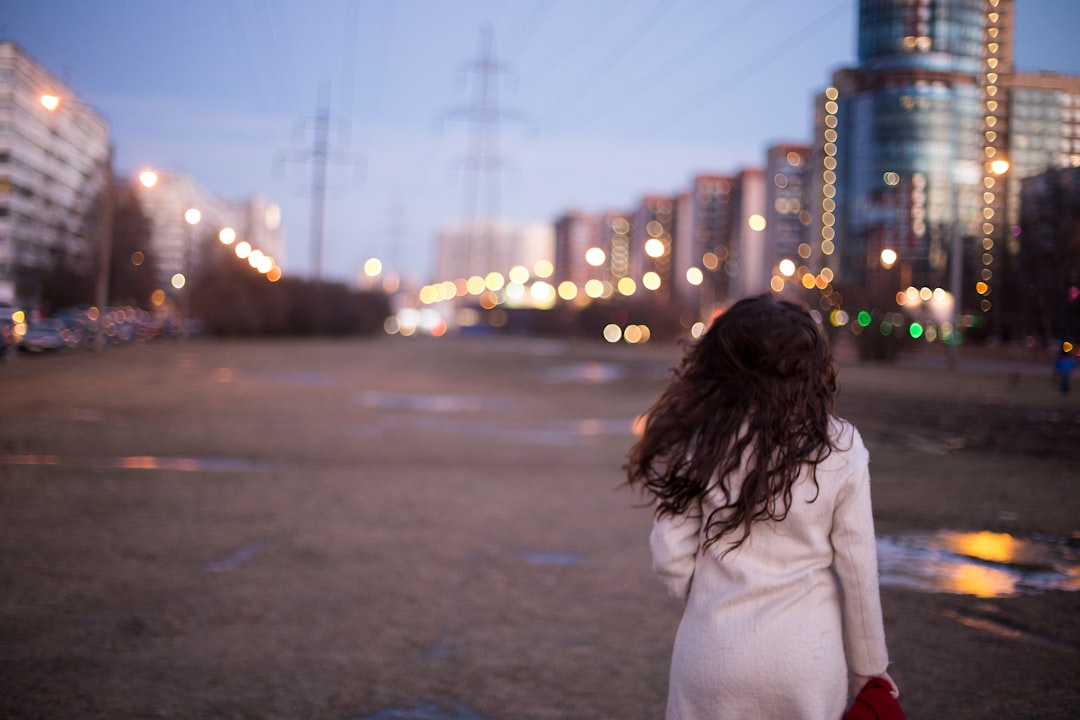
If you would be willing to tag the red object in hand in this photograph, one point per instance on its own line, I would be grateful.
(875, 702)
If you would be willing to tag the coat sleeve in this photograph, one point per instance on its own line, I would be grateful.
(855, 557)
(674, 543)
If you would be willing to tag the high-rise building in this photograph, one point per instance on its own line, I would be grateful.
(907, 124)
(179, 245)
(749, 264)
(576, 234)
(615, 241)
(785, 216)
(704, 226)
(1049, 267)
(927, 140)
(1040, 125)
(485, 246)
(652, 235)
(55, 161)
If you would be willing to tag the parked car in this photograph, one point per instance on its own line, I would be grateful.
(44, 335)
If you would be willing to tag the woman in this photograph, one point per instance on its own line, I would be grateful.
(763, 523)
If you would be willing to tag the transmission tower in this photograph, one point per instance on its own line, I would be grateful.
(483, 161)
(319, 155)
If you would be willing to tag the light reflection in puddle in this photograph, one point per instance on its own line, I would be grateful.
(558, 433)
(240, 556)
(981, 564)
(587, 372)
(143, 462)
(297, 379)
(423, 711)
(562, 559)
(432, 403)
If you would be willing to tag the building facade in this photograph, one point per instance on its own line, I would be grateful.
(576, 233)
(179, 246)
(1049, 254)
(705, 221)
(652, 238)
(55, 164)
(749, 261)
(786, 218)
(486, 246)
(929, 138)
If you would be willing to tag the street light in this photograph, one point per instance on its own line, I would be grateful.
(101, 291)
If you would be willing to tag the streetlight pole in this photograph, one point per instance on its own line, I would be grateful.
(101, 295)
(192, 216)
(105, 224)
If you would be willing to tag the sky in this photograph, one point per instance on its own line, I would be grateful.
(599, 102)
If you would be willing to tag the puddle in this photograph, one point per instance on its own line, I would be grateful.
(432, 403)
(557, 433)
(238, 557)
(981, 564)
(297, 379)
(423, 711)
(534, 557)
(587, 372)
(143, 462)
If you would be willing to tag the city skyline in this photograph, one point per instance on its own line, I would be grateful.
(608, 106)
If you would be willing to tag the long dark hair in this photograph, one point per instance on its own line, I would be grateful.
(758, 387)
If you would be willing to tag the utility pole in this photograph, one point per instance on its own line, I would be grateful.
(318, 189)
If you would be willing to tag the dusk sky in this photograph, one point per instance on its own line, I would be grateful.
(605, 100)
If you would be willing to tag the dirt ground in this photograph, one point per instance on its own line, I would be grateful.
(436, 528)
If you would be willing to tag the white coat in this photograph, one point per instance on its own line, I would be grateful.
(765, 627)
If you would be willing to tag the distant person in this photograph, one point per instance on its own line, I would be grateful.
(763, 524)
(1063, 367)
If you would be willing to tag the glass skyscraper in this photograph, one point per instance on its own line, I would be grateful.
(919, 152)
(908, 144)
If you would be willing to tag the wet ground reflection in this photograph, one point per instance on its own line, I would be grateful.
(143, 462)
(588, 372)
(432, 403)
(535, 557)
(557, 433)
(423, 711)
(982, 564)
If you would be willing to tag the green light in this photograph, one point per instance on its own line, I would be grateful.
(886, 327)
(864, 318)
(916, 330)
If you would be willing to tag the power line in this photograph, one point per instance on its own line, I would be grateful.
(620, 50)
(348, 65)
(711, 38)
(751, 68)
(244, 48)
(527, 27)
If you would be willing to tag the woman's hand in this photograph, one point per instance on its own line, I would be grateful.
(861, 680)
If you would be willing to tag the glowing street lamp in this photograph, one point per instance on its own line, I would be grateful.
(888, 258)
(101, 293)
